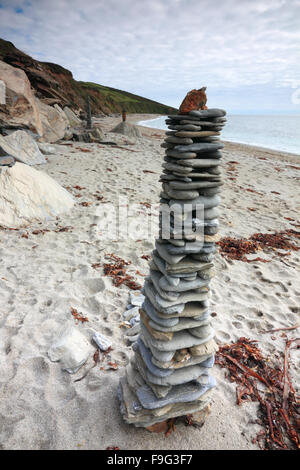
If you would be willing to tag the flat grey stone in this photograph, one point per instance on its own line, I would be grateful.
(185, 127)
(199, 162)
(196, 134)
(203, 257)
(189, 248)
(211, 213)
(187, 265)
(160, 304)
(145, 418)
(171, 177)
(209, 191)
(183, 285)
(165, 321)
(191, 185)
(138, 364)
(179, 394)
(204, 124)
(178, 168)
(147, 356)
(177, 242)
(163, 356)
(187, 194)
(160, 264)
(183, 324)
(180, 340)
(201, 331)
(180, 376)
(199, 148)
(171, 296)
(182, 298)
(181, 155)
(208, 113)
(164, 254)
(206, 202)
(178, 140)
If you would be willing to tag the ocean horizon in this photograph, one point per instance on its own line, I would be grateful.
(275, 132)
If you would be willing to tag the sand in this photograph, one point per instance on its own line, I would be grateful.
(44, 275)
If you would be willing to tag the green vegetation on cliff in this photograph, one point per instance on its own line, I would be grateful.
(56, 84)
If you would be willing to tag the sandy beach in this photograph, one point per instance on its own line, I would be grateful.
(49, 268)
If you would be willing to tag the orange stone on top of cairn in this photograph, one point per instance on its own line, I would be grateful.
(194, 100)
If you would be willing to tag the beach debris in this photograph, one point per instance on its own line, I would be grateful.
(279, 406)
(117, 270)
(72, 350)
(78, 316)
(102, 342)
(173, 341)
(237, 249)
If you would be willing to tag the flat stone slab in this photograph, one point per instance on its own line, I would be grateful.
(181, 155)
(164, 322)
(187, 265)
(183, 324)
(178, 394)
(193, 134)
(208, 113)
(178, 376)
(183, 285)
(199, 162)
(164, 254)
(187, 194)
(206, 201)
(199, 148)
(147, 358)
(134, 413)
(178, 140)
(180, 340)
(160, 304)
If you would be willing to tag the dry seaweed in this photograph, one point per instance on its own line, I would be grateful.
(278, 404)
(78, 316)
(117, 270)
(237, 249)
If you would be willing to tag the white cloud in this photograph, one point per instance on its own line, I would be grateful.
(163, 48)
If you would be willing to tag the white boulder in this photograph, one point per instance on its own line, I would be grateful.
(20, 102)
(130, 130)
(72, 349)
(73, 119)
(22, 147)
(28, 195)
(54, 122)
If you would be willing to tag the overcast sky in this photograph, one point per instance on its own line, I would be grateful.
(247, 52)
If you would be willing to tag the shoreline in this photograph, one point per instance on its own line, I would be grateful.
(258, 148)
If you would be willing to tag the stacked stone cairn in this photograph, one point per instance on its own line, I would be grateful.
(169, 374)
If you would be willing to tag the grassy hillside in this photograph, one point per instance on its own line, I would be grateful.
(55, 83)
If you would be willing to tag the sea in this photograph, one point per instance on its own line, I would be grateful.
(276, 132)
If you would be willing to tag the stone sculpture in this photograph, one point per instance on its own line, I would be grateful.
(169, 374)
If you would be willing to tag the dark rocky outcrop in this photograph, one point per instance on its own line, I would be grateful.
(54, 84)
